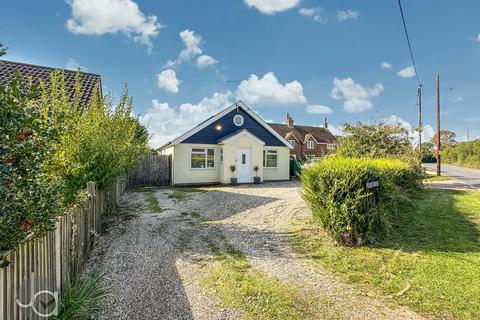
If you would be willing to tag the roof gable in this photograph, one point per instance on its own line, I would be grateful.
(238, 134)
(207, 132)
(319, 134)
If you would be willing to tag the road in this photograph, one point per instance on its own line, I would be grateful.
(470, 177)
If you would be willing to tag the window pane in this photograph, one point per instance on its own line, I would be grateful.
(244, 158)
(198, 150)
(271, 160)
(210, 158)
(198, 160)
(264, 163)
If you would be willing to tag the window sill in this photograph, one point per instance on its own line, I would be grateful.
(270, 168)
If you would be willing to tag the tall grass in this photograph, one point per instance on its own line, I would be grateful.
(83, 299)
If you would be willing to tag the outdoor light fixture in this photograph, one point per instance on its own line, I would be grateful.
(218, 127)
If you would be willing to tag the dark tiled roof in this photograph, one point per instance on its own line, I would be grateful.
(322, 135)
(37, 74)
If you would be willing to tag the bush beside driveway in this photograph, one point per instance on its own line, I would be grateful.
(158, 257)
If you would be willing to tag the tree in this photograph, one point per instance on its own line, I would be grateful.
(375, 140)
(447, 138)
(427, 152)
(3, 50)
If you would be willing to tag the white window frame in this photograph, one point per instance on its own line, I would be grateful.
(292, 142)
(330, 146)
(310, 156)
(269, 152)
(205, 153)
(310, 144)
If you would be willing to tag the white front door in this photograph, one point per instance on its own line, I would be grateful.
(244, 170)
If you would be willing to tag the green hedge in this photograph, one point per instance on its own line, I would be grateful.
(335, 190)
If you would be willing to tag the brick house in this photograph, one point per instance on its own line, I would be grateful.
(308, 142)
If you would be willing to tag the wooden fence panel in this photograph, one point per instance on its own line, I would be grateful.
(48, 262)
(154, 170)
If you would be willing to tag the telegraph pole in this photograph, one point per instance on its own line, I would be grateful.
(420, 125)
(438, 127)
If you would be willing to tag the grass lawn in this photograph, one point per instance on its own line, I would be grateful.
(435, 178)
(431, 262)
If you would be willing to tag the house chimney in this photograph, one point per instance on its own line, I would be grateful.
(325, 124)
(289, 121)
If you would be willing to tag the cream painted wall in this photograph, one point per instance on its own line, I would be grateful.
(230, 156)
(282, 172)
(182, 173)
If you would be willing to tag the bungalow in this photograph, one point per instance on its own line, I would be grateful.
(236, 136)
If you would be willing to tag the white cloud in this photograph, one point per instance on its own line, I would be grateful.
(204, 61)
(347, 15)
(386, 65)
(407, 72)
(267, 90)
(272, 6)
(192, 44)
(112, 16)
(458, 99)
(72, 64)
(336, 131)
(314, 13)
(318, 109)
(478, 38)
(168, 81)
(166, 123)
(395, 120)
(356, 97)
(193, 48)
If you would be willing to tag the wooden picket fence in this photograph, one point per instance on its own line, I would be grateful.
(154, 170)
(47, 263)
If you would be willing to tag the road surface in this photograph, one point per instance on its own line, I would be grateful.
(470, 177)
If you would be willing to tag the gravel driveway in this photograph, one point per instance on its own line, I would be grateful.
(154, 263)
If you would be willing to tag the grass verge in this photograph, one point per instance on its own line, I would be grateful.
(435, 178)
(240, 286)
(431, 263)
(83, 299)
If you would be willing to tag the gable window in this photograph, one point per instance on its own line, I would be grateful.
(292, 142)
(270, 158)
(202, 158)
(310, 144)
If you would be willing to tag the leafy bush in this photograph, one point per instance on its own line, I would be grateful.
(463, 154)
(51, 147)
(335, 190)
(30, 193)
(377, 140)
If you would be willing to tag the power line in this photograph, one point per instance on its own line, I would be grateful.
(408, 41)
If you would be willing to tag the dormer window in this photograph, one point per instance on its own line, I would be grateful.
(310, 144)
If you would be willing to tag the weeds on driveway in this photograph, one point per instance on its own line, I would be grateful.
(152, 202)
(241, 286)
(431, 263)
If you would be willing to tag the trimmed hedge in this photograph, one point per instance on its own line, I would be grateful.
(335, 190)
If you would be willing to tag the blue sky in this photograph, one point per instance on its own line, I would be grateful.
(307, 58)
